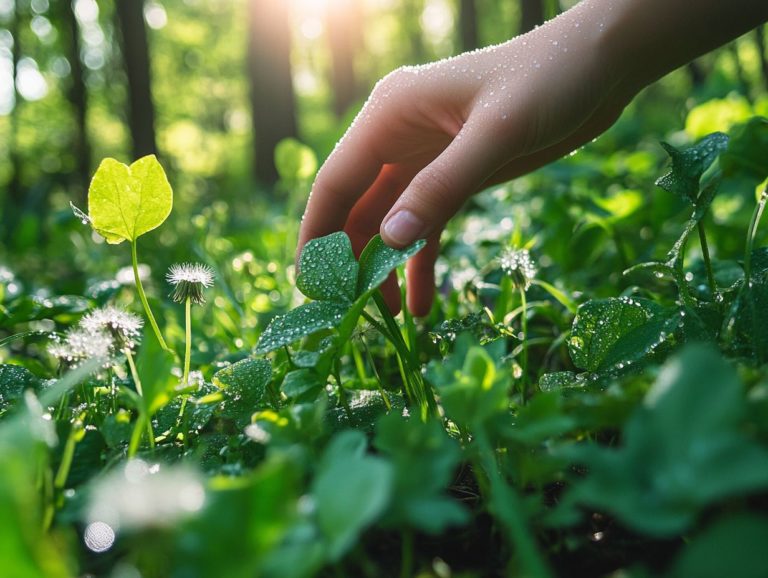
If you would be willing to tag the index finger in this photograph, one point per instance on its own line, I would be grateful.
(348, 172)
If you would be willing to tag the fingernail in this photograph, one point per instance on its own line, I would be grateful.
(404, 227)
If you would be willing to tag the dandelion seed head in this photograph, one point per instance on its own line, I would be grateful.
(122, 326)
(517, 263)
(189, 280)
(80, 345)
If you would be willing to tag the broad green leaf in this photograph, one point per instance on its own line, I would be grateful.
(124, 202)
(300, 322)
(302, 385)
(601, 323)
(683, 450)
(734, 546)
(689, 164)
(747, 153)
(294, 161)
(560, 380)
(328, 270)
(244, 384)
(425, 458)
(748, 324)
(378, 260)
(350, 492)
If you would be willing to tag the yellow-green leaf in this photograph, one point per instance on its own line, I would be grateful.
(124, 202)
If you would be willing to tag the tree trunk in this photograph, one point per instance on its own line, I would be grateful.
(531, 14)
(741, 76)
(135, 49)
(273, 109)
(13, 201)
(78, 97)
(468, 25)
(343, 24)
(761, 52)
(696, 73)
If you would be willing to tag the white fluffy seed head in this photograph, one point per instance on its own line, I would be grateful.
(122, 326)
(189, 280)
(517, 263)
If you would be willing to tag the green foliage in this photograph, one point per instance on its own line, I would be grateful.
(689, 165)
(124, 202)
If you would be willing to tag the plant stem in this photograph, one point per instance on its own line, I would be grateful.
(707, 260)
(143, 411)
(66, 457)
(406, 557)
(751, 233)
(143, 297)
(524, 358)
(188, 339)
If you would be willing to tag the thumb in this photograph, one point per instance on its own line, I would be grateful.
(439, 190)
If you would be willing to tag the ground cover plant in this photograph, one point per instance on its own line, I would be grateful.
(596, 407)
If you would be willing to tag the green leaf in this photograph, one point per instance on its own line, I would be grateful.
(747, 152)
(154, 366)
(350, 490)
(244, 384)
(600, 324)
(734, 546)
(683, 450)
(559, 380)
(14, 379)
(689, 165)
(300, 322)
(425, 458)
(378, 260)
(124, 202)
(302, 385)
(328, 270)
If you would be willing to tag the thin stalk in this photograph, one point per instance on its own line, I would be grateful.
(524, 358)
(406, 556)
(707, 260)
(143, 297)
(143, 420)
(66, 458)
(188, 338)
(751, 233)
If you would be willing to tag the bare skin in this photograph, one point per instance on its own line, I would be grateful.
(429, 137)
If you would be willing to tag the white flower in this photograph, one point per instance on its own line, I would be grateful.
(80, 345)
(124, 327)
(189, 280)
(517, 263)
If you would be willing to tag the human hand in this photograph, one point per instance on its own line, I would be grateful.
(431, 136)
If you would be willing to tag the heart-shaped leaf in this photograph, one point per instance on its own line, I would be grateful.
(300, 322)
(378, 260)
(328, 269)
(124, 202)
(689, 164)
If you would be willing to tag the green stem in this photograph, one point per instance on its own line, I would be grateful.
(707, 260)
(143, 297)
(406, 557)
(751, 233)
(66, 458)
(524, 358)
(188, 338)
(143, 419)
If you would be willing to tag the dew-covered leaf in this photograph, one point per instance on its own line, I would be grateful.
(350, 491)
(560, 380)
(689, 165)
(747, 152)
(601, 323)
(244, 384)
(124, 202)
(302, 385)
(14, 379)
(378, 260)
(748, 324)
(328, 270)
(300, 322)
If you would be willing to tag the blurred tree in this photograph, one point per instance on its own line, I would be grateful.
(468, 25)
(14, 197)
(77, 95)
(135, 49)
(343, 21)
(273, 107)
(412, 11)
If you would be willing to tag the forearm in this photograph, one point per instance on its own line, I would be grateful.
(648, 38)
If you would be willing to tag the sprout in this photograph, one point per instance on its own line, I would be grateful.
(123, 327)
(517, 263)
(189, 280)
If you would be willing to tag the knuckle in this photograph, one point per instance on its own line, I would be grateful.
(434, 188)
